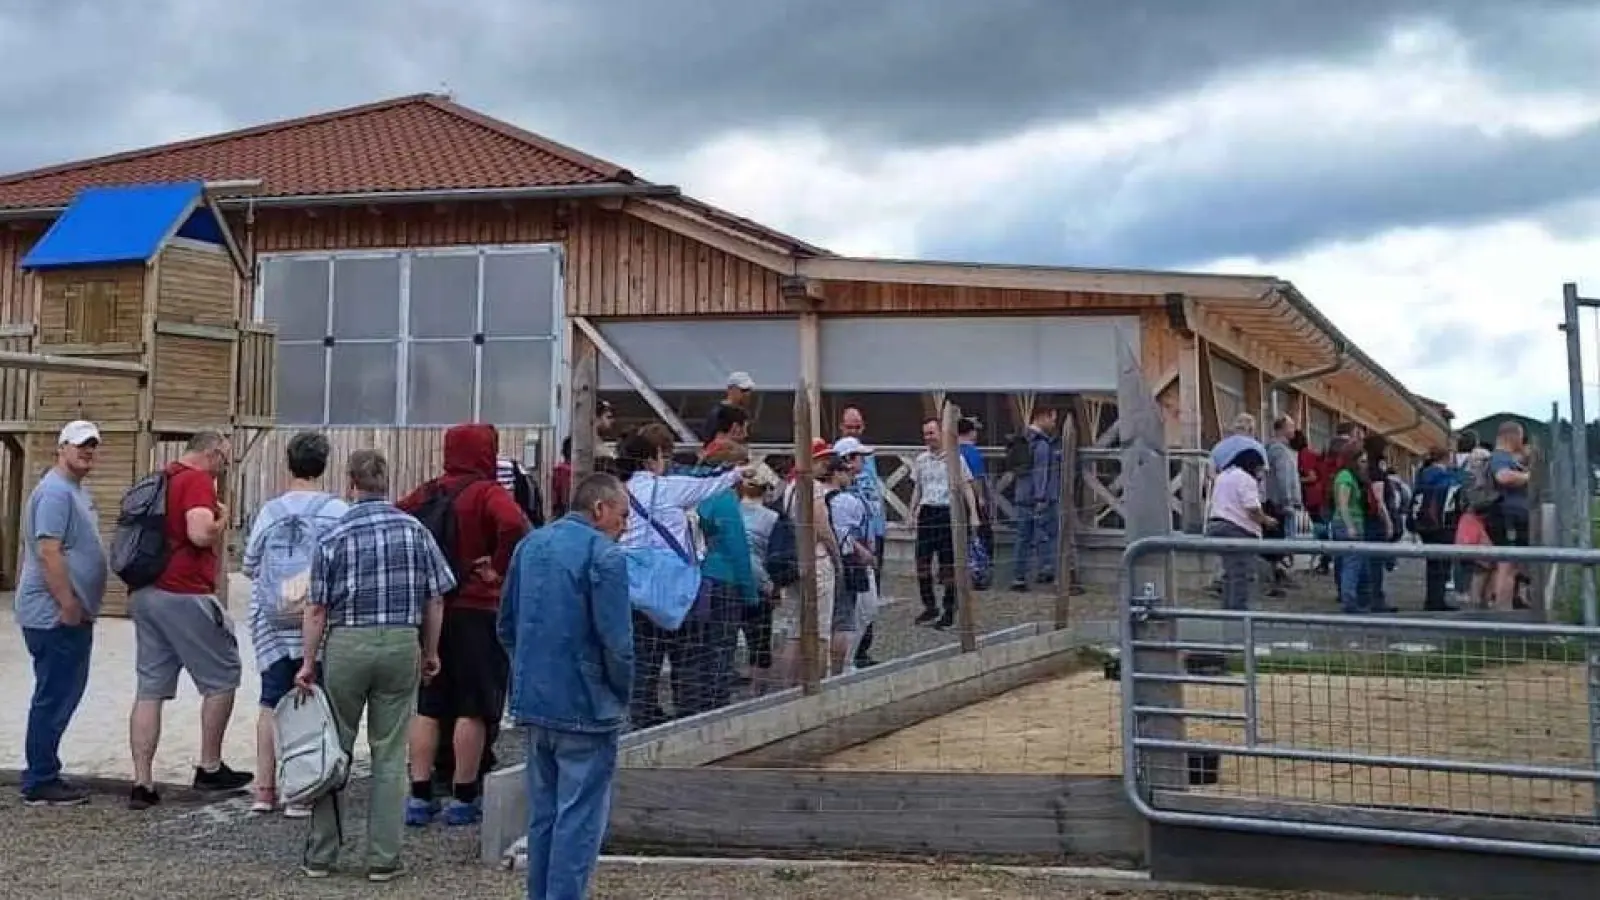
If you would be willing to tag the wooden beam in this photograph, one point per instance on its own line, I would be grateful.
(42, 362)
(585, 404)
(637, 381)
(663, 214)
(1038, 278)
(960, 520)
(811, 369)
(1210, 420)
(805, 525)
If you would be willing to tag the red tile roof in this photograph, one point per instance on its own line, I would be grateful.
(417, 143)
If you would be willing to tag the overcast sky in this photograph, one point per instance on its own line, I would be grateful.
(1426, 171)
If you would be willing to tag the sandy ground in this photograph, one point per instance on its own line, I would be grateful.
(97, 742)
(1531, 714)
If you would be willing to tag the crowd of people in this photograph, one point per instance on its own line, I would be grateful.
(1476, 495)
(438, 614)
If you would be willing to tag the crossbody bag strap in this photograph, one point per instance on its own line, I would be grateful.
(660, 528)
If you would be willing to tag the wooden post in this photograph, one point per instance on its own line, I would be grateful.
(1067, 530)
(585, 402)
(959, 529)
(805, 527)
(811, 371)
(1147, 513)
(1192, 480)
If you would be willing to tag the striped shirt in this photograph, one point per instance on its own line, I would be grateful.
(273, 640)
(505, 472)
(378, 567)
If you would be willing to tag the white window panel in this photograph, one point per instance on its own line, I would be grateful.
(699, 354)
(413, 337)
(1003, 354)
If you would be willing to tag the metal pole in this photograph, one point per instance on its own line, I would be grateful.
(1583, 504)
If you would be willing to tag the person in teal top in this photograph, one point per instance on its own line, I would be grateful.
(728, 589)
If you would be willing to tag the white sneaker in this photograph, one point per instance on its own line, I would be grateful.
(296, 811)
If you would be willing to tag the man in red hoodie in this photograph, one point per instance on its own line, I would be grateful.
(465, 507)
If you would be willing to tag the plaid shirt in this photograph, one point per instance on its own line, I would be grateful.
(377, 567)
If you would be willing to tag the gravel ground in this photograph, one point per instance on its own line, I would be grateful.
(181, 852)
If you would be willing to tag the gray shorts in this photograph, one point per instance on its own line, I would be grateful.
(177, 632)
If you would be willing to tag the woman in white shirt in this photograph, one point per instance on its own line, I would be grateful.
(786, 624)
(1236, 513)
(667, 500)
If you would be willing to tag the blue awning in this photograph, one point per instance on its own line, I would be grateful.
(125, 224)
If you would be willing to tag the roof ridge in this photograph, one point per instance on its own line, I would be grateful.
(610, 171)
(224, 137)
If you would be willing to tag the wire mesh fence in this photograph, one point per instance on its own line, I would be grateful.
(1474, 715)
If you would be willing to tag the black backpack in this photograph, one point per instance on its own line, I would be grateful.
(783, 559)
(1019, 453)
(438, 514)
(139, 550)
(526, 493)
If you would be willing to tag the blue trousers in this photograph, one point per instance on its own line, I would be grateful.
(60, 675)
(1037, 529)
(1351, 573)
(569, 804)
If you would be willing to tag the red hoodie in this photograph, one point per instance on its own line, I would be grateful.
(488, 522)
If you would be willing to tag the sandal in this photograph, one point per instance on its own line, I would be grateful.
(266, 800)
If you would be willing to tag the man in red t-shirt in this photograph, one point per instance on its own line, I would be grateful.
(179, 625)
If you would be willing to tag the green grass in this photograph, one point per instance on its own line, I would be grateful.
(1456, 658)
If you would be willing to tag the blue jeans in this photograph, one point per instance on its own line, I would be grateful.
(1351, 573)
(1377, 566)
(569, 804)
(60, 675)
(1037, 527)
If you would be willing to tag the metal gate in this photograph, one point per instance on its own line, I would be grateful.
(1447, 733)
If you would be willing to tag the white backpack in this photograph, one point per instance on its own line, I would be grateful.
(311, 760)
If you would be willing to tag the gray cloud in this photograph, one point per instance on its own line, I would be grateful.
(641, 80)
(1267, 203)
(633, 77)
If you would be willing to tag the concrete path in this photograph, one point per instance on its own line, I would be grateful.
(97, 743)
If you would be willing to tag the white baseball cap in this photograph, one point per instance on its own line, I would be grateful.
(742, 381)
(849, 446)
(78, 433)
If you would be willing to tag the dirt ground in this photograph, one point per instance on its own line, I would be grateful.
(1530, 714)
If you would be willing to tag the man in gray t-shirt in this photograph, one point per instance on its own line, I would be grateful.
(62, 584)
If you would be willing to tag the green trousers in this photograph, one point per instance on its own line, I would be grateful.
(376, 669)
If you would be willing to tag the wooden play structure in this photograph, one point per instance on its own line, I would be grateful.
(141, 329)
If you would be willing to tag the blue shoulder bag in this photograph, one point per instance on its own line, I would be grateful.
(663, 584)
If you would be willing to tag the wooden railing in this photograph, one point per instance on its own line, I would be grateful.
(1099, 489)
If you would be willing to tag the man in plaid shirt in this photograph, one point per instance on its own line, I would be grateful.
(377, 578)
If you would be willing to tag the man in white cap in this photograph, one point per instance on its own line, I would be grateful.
(59, 593)
(740, 388)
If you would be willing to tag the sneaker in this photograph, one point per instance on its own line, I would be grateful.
(459, 813)
(296, 811)
(312, 871)
(928, 615)
(142, 797)
(55, 793)
(221, 779)
(945, 621)
(1020, 587)
(384, 876)
(420, 813)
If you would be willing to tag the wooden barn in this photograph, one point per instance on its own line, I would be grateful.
(425, 264)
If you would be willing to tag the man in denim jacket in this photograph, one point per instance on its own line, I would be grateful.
(567, 625)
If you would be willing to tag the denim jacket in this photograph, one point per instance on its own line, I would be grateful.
(567, 624)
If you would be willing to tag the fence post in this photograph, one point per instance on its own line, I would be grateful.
(959, 490)
(1146, 477)
(1067, 518)
(1584, 498)
(805, 526)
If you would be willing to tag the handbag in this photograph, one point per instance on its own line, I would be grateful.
(663, 584)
